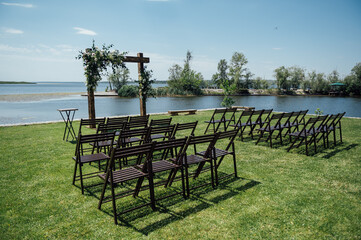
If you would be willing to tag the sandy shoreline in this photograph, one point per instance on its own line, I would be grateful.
(35, 96)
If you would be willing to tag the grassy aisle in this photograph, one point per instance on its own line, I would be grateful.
(278, 195)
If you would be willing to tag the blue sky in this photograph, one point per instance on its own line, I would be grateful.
(40, 39)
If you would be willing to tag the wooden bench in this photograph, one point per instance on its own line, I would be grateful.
(244, 108)
(175, 112)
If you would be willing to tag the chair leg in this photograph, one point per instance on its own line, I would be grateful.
(75, 168)
(151, 191)
(81, 179)
(215, 170)
(212, 174)
(306, 145)
(234, 164)
(114, 205)
(183, 184)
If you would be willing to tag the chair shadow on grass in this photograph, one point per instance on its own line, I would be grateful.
(164, 206)
(339, 148)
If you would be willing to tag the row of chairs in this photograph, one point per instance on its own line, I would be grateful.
(128, 122)
(174, 157)
(315, 129)
(299, 130)
(226, 118)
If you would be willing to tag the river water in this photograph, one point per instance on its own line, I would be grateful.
(28, 110)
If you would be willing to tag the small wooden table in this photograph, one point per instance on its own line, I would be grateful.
(175, 112)
(68, 118)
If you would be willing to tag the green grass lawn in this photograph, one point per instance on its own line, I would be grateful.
(278, 195)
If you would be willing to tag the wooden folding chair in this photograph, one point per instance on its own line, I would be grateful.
(129, 136)
(189, 127)
(115, 177)
(263, 118)
(112, 120)
(160, 122)
(85, 154)
(330, 126)
(244, 121)
(115, 127)
(274, 124)
(171, 164)
(219, 154)
(218, 118)
(311, 129)
(90, 122)
(161, 132)
(206, 142)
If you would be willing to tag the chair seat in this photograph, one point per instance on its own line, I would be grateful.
(132, 139)
(303, 134)
(160, 166)
(93, 157)
(157, 136)
(192, 159)
(269, 129)
(103, 143)
(219, 152)
(125, 174)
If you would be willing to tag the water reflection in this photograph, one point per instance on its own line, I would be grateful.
(24, 112)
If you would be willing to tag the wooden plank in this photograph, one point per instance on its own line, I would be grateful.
(175, 112)
(136, 59)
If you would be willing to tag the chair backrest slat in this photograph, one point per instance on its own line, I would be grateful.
(185, 126)
(160, 122)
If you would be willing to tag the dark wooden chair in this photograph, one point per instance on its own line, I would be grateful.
(114, 178)
(161, 132)
(129, 136)
(112, 120)
(274, 124)
(85, 154)
(160, 122)
(189, 128)
(333, 122)
(170, 164)
(218, 118)
(337, 125)
(115, 127)
(141, 123)
(90, 122)
(296, 119)
(244, 121)
(218, 154)
(263, 118)
(206, 143)
(310, 130)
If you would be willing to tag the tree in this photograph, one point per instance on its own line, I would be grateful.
(282, 76)
(185, 80)
(353, 81)
(222, 74)
(297, 76)
(237, 70)
(119, 78)
(222, 81)
(96, 63)
(333, 77)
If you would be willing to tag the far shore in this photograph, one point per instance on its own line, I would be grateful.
(215, 92)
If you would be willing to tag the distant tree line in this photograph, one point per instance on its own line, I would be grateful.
(235, 78)
(292, 78)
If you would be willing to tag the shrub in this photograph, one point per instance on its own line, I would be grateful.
(128, 91)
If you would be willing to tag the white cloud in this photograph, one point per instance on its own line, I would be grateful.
(13, 31)
(85, 31)
(277, 48)
(18, 5)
